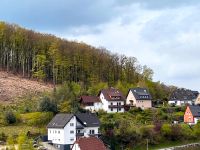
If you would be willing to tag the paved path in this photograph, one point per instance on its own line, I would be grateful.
(48, 146)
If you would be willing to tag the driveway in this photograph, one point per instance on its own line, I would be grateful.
(48, 146)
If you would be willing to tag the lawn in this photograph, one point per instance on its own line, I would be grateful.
(21, 129)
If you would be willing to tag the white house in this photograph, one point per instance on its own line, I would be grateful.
(139, 97)
(65, 129)
(112, 100)
(92, 103)
(181, 97)
(88, 143)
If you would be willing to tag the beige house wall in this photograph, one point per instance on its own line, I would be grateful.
(197, 101)
(129, 98)
(144, 104)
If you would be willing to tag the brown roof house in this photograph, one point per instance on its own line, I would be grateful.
(88, 143)
(92, 103)
(112, 100)
(139, 97)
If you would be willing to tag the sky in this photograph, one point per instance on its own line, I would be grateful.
(162, 34)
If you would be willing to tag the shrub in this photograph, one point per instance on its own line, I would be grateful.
(10, 117)
(47, 105)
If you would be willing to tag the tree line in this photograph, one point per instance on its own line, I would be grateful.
(52, 59)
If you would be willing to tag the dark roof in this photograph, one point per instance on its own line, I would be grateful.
(195, 110)
(60, 121)
(112, 94)
(88, 119)
(89, 99)
(183, 95)
(90, 143)
(141, 93)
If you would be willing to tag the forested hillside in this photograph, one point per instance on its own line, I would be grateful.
(51, 59)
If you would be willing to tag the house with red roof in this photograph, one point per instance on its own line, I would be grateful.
(88, 143)
(92, 103)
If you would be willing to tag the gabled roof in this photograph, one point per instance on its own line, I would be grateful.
(141, 93)
(60, 121)
(90, 143)
(195, 110)
(112, 94)
(183, 95)
(89, 99)
(88, 119)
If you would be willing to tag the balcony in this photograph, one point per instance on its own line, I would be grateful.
(79, 134)
(115, 106)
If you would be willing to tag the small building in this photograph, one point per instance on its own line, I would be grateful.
(92, 103)
(88, 143)
(112, 100)
(139, 97)
(65, 129)
(182, 97)
(192, 114)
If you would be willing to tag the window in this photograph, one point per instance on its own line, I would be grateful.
(55, 131)
(71, 124)
(49, 131)
(119, 109)
(111, 103)
(58, 132)
(71, 139)
(91, 131)
(111, 109)
(119, 103)
(71, 132)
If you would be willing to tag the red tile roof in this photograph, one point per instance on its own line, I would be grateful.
(111, 93)
(89, 99)
(90, 143)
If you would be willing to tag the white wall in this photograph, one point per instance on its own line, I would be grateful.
(70, 138)
(56, 135)
(76, 147)
(87, 130)
(96, 107)
(180, 103)
(104, 102)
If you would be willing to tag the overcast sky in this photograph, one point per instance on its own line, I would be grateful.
(162, 34)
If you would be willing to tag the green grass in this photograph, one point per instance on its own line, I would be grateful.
(166, 144)
(20, 129)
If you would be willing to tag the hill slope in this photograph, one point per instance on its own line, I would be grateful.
(13, 87)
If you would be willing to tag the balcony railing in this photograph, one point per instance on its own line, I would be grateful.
(79, 134)
(116, 106)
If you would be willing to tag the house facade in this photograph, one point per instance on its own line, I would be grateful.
(197, 101)
(92, 103)
(139, 97)
(192, 114)
(182, 97)
(88, 143)
(65, 129)
(112, 100)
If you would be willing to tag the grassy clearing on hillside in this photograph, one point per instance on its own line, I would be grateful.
(21, 129)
